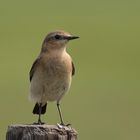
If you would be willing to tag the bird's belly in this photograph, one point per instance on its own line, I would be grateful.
(49, 86)
(54, 90)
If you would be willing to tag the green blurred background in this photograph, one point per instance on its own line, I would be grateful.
(104, 100)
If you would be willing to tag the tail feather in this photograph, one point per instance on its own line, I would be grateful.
(36, 109)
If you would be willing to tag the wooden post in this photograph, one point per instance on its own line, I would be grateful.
(40, 132)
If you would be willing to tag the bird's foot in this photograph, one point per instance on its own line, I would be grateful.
(61, 125)
(38, 123)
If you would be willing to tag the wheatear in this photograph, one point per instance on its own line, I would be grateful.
(51, 73)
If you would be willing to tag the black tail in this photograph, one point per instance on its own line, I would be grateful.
(36, 109)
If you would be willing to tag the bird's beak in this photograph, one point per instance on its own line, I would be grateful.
(71, 37)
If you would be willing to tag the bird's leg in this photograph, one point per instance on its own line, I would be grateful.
(39, 117)
(60, 114)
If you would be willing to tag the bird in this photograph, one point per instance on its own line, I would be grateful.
(51, 73)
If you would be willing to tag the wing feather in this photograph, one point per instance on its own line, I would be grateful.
(73, 69)
(33, 68)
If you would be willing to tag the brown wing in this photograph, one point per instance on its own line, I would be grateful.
(73, 69)
(33, 68)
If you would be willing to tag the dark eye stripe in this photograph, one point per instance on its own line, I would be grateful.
(58, 37)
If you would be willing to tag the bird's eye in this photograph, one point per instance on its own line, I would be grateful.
(57, 37)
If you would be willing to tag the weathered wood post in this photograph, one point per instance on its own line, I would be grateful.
(40, 132)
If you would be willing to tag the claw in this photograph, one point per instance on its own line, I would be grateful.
(68, 124)
(61, 125)
(38, 123)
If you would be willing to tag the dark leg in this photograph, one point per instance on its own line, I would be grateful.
(60, 114)
(39, 117)
(39, 108)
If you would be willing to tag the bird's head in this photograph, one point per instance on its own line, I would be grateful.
(57, 40)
